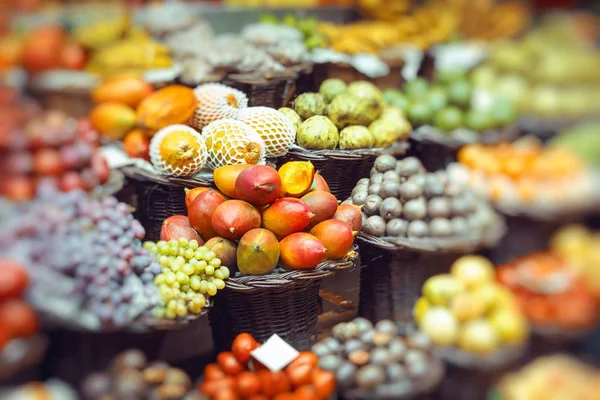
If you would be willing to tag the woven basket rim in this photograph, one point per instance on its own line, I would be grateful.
(421, 386)
(428, 134)
(251, 283)
(500, 359)
(487, 238)
(144, 175)
(397, 149)
(253, 78)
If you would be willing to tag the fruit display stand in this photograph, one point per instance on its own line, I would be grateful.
(392, 272)
(342, 168)
(285, 303)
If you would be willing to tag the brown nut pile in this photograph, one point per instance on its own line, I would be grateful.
(401, 199)
(376, 358)
(131, 377)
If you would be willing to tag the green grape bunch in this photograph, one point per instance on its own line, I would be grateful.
(191, 274)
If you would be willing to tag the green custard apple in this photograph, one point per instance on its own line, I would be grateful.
(356, 137)
(330, 88)
(346, 110)
(291, 116)
(310, 104)
(388, 131)
(318, 133)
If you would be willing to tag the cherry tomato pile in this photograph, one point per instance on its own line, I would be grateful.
(236, 375)
(17, 319)
(549, 292)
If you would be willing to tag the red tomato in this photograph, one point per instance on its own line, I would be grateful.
(229, 364)
(210, 388)
(305, 357)
(299, 375)
(324, 383)
(248, 384)
(18, 317)
(274, 383)
(13, 279)
(212, 372)
(242, 346)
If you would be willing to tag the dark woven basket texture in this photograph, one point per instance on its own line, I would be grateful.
(155, 203)
(271, 95)
(289, 310)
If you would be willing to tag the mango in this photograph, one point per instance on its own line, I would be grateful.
(322, 205)
(226, 176)
(233, 218)
(257, 252)
(286, 216)
(258, 185)
(336, 236)
(112, 120)
(301, 250)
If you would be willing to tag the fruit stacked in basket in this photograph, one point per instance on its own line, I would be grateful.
(261, 218)
(46, 149)
(346, 117)
(238, 375)
(469, 311)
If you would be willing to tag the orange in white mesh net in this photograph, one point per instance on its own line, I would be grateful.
(231, 142)
(178, 150)
(215, 102)
(272, 126)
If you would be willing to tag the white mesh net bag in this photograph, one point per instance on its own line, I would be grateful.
(230, 142)
(178, 150)
(273, 127)
(215, 102)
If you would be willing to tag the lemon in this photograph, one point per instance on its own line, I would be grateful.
(421, 306)
(505, 300)
(473, 270)
(465, 307)
(478, 337)
(440, 326)
(440, 289)
(510, 326)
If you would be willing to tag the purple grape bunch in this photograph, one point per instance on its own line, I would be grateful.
(88, 265)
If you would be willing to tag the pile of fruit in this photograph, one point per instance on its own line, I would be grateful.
(401, 200)
(447, 105)
(526, 173)
(50, 149)
(469, 310)
(551, 378)
(131, 376)
(346, 117)
(549, 291)
(17, 319)
(237, 375)
(261, 218)
(90, 268)
(306, 25)
(377, 361)
(191, 273)
(580, 248)
(549, 73)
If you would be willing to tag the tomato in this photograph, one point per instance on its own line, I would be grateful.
(324, 383)
(13, 279)
(242, 346)
(273, 383)
(226, 394)
(306, 393)
(299, 374)
(229, 364)
(305, 357)
(213, 372)
(211, 388)
(248, 384)
(18, 317)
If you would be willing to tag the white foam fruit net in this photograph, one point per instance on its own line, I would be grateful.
(274, 128)
(231, 142)
(215, 102)
(178, 150)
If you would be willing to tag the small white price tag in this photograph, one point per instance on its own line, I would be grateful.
(275, 353)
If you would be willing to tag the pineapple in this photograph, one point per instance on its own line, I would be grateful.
(215, 102)
(231, 142)
(178, 150)
(272, 126)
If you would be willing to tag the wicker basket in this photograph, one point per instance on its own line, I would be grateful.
(347, 73)
(470, 377)
(159, 197)
(342, 168)
(284, 303)
(437, 150)
(393, 271)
